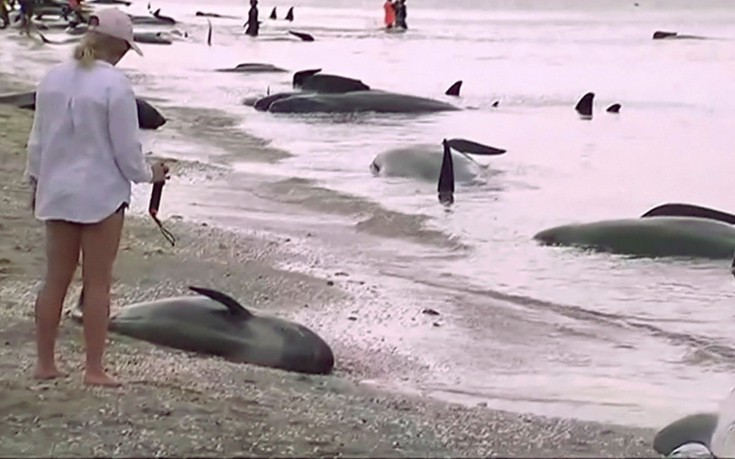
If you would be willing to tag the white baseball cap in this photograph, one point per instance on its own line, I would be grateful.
(115, 23)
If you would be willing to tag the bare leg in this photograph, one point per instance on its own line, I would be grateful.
(99, 249)
(62, 254)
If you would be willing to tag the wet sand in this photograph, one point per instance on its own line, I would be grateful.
(176, 403)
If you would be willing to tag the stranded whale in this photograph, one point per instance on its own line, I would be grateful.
(213, 323)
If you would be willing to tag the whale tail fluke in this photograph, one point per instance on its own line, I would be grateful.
(689, 210)
(473, 148)
(660, 35)
(454, 89)
(303, 36)
(445, 187)
(584, 106)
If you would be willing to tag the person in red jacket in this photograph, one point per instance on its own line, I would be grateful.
(390, 14)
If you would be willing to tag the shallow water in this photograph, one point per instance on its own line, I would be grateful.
(550, 330)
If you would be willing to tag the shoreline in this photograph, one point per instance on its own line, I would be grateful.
(176, 403)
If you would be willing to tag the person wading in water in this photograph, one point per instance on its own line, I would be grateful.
(401, 14)
(253, 25)
(390, 14)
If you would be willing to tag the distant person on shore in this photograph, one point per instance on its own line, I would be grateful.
(253, 25)
(75, 6)
(26, 16)
(4, 14)
(390, 14)
(84, 150)
(401, 14)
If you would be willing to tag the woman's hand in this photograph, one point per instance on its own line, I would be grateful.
(159, 170)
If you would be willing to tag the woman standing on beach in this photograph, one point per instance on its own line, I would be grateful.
(83, 153)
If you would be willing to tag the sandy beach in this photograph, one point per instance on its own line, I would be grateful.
(175, 403)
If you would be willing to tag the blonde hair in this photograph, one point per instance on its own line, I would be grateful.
(95, 45)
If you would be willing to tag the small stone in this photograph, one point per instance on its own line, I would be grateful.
(330, 283)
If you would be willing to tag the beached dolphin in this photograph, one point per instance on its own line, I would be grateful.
(312, 81)
(689, 210)
(148, 116)
(359, 101)
(661, 35)
(692, 429)
(584, 105)
(253, 67)
(713, 432)
(151, 20)
(154, 38)
(215, 15)
(213, 323)
(65, 41)
(424, 161)
(165, 19)
(60, 24)
(326, 93)
(648, 237)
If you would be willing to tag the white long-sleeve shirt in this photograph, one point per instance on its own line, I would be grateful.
(84, 149)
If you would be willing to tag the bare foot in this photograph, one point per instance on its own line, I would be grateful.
(47, 373)
(100, 379)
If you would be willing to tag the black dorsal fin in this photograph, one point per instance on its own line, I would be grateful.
(445, 187)
(235, 308)
(454, 89)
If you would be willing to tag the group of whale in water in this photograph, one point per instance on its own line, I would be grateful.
(214, 323)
